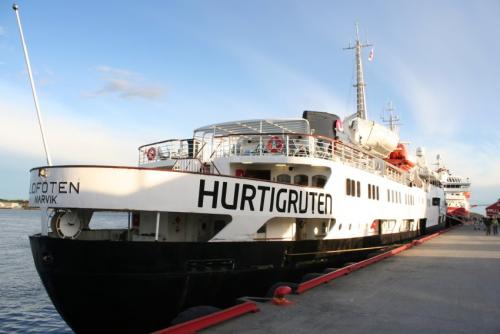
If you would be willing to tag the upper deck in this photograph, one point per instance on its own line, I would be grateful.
(260, 141)
(456, 183)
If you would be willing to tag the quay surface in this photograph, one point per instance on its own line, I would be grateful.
(449, 284)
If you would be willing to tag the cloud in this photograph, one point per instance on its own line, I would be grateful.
(115, 71)
(71, 138)
(2, 31)
(128, 89)
(126, 84)
(430, 103)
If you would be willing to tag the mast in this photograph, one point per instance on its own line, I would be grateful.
(360, 83)
(393, 119)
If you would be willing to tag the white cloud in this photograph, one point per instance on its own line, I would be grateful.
(430, 104)
(71, 139)
(126, 84)
(115, 71)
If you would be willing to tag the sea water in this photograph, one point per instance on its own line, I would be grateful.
(25, 306)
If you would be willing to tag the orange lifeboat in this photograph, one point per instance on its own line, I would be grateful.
(399, 158)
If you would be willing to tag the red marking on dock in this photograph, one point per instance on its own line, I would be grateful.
(307, 285)
(195, 325)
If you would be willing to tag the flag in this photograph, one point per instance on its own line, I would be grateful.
(371, 55)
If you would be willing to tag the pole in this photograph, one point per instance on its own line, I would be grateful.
(15, 7)
(157, 225)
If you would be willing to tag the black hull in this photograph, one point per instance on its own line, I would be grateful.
(138, 287)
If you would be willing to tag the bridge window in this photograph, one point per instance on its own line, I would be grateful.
(318, 181)
(284, 178)
(301, 180)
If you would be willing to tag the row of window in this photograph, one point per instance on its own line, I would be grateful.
(373, 192)
(393, 196)
(352, 188)
(303, 180)
(409, 199)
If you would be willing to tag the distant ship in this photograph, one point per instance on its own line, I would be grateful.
(457, 193)
(226, 213)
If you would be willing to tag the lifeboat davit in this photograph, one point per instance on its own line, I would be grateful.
(400, 158)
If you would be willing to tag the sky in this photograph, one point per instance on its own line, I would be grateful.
(113, 75)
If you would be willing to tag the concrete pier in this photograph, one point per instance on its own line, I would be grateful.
(450, 284)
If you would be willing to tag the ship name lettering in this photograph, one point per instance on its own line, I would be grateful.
(244, 196)
(55, 187)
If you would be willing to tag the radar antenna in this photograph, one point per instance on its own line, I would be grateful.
(360, 83)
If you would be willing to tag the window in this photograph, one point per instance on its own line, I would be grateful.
(284, 178)
(388, 195)
(301, 180)
(436, 201)
(318, 181)
(352, 188)
(373, 192)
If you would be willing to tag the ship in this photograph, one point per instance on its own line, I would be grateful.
(225, 213)
(457, 193)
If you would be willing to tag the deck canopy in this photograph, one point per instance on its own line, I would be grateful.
(297, 125)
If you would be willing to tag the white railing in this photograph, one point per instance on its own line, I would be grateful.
(264, 145)
(168, 150)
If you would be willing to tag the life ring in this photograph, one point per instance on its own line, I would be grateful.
(275, 144)
(151, 153)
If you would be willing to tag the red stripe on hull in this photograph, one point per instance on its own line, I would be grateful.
(461, 212)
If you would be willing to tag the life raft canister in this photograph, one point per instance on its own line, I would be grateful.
(151, 153)
(275, 144)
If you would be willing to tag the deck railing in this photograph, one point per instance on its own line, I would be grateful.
(266, 145)
(172, 150)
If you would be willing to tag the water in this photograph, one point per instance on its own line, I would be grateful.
(25, 307)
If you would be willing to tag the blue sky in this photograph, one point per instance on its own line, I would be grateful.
(113, 75)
